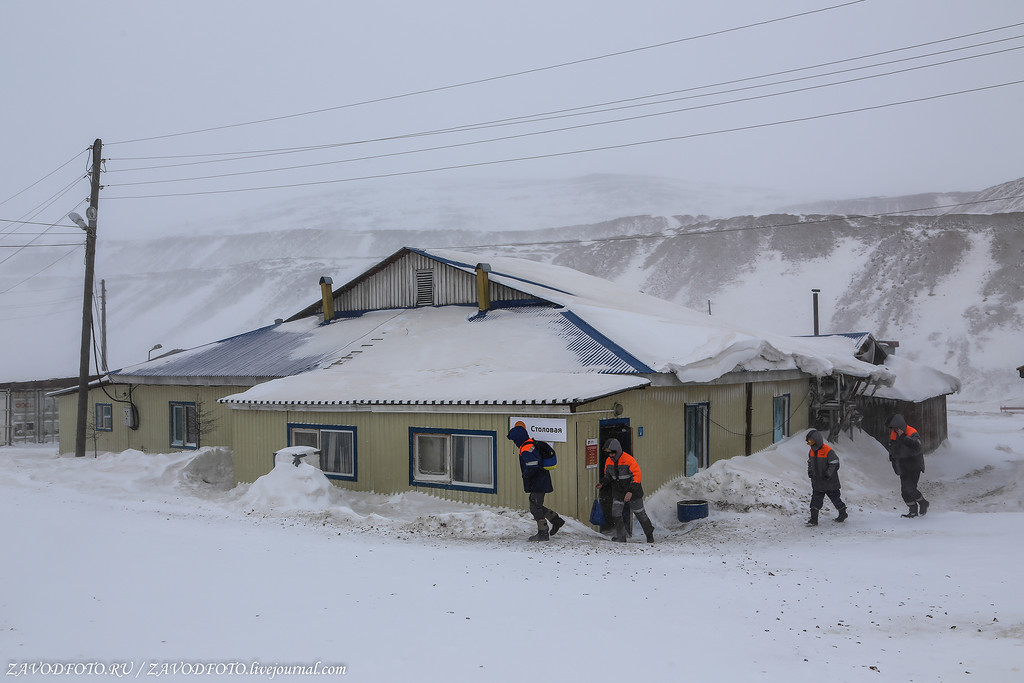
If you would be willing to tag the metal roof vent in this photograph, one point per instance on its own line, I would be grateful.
(425, 287)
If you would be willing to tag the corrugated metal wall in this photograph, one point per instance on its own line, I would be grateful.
(153, 403)
(395, 287)
(382, 443)
(382, 451)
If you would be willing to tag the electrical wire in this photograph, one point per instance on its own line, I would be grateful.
(567, 128)
(584, 109)
(495, 78)
(588, 150)
(43, 178)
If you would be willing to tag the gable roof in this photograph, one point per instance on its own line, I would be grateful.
(573, 338)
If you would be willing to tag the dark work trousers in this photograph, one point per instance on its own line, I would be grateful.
(537, 508)
(637, 506)
(818, 499)
(908, 486)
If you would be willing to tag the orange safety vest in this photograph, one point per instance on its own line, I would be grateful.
(910, 431)
(627, 467)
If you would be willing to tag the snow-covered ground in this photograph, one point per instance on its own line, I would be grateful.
(153, 564)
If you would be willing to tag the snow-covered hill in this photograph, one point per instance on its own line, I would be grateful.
(948, 288)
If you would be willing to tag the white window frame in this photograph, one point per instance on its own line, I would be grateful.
(449, 440)
(104, 417)
(313, 435)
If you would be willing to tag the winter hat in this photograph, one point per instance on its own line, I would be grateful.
(814, 436)
(613, 445)
(518, 435)
(896, 421)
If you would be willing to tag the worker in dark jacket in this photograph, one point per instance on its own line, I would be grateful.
(622, 473)
(536, 482)
(907, 457)
(823, 469)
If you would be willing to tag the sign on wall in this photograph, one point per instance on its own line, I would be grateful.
(543, 428)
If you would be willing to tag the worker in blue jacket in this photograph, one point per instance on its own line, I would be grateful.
(536, 482)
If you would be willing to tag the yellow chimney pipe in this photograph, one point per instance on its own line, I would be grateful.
(483, 286)
(328, 297)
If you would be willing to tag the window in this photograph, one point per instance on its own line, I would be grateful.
(424, 288)
(696, 437)
(104, 417)
(780, 419)
(463, 460)
(184, 425)
(337, 446)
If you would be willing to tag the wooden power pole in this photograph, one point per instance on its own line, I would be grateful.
(90, 262)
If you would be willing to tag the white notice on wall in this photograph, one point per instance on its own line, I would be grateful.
(543, 428)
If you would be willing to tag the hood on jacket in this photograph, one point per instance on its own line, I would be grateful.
(896, 421)
(518, 435)
(614, 447)
(814, 439)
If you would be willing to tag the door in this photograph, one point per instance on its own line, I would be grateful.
(696, 437)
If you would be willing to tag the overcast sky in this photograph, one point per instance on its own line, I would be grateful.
(129, 70)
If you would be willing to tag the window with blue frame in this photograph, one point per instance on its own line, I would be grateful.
(104, 417)
(456, 459)
(184, 425)
(337, 446)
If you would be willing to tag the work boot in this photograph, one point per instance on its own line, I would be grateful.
(556, 523)
(842, 515)
(923, 506)
(912, 512)
(813, 521)
(648, 528)
(542, 531)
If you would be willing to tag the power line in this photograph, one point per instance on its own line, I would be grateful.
(578, 126)
(496, 78)
(242, 155)
(588, 150)
(44, 268)
(41, 179)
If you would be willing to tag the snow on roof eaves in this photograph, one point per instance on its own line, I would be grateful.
(463, 387)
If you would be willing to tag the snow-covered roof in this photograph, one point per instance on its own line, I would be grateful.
(449, 355)
(915, 381)
(587, 338)
(664, 336)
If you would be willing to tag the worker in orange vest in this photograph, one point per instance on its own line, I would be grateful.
(907, 456)
(823, 469)
(622, 473)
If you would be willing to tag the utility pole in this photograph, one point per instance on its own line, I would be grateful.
(90, 262)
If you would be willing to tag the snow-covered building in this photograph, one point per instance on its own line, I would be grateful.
(410, 376)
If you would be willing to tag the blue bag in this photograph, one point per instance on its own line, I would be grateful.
(597, 514)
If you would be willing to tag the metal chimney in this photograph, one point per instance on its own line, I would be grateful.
(483, 286)
(328, 297)
(814, 294)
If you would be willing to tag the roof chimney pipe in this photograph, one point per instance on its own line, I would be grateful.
(328, 298)
(483, 286)
(814, 294)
